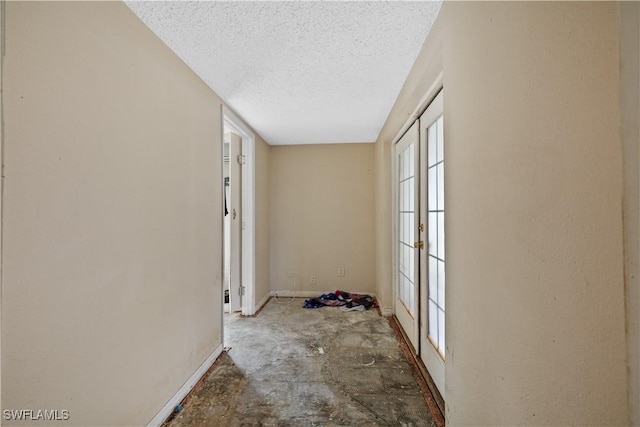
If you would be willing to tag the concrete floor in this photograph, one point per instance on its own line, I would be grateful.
(291, 366)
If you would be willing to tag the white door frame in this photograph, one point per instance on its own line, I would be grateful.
(235, 124)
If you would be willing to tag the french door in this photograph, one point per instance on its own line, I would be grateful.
(407, 220)
(420, 242)
(432, 257)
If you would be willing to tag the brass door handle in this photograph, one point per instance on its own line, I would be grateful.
(418, 245)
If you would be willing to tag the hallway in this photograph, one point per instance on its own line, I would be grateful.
(295, 366)
(112, 212)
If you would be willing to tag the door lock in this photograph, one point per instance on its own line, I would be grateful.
(419, 244)
(234, 214)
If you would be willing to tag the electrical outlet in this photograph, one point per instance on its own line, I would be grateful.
(313, 280)
(341, 272)
(290, 274)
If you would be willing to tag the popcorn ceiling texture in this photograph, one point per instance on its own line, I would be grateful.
(298, 72)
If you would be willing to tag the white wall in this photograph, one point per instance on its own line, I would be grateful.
(111, 278)
(321, 207)
(535, 286)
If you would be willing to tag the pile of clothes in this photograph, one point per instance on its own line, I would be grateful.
(347, 301)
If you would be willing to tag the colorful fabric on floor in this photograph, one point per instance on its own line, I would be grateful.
(346, 300)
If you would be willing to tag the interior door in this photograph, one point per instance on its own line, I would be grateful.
(432, 257)
(406, 214)
(235, 204)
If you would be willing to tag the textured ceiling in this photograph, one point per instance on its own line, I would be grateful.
(298, 72)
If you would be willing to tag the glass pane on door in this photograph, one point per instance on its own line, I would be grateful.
(406, 218)
(435, 208)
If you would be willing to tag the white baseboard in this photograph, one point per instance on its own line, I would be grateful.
(386, 311)
(297, 294)
(185, 389)
(262, 302)
(311, 294)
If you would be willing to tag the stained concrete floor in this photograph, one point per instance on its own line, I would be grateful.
(291, 366)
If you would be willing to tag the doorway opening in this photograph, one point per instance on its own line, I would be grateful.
(238, 171)
(232, 271)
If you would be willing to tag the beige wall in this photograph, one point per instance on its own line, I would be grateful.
(262, 288)
(112, 222)
(383, 253)
(535, 287)
(535, 293)
(630, 128)
(321, 207)
(422, 84)
(2, 5)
